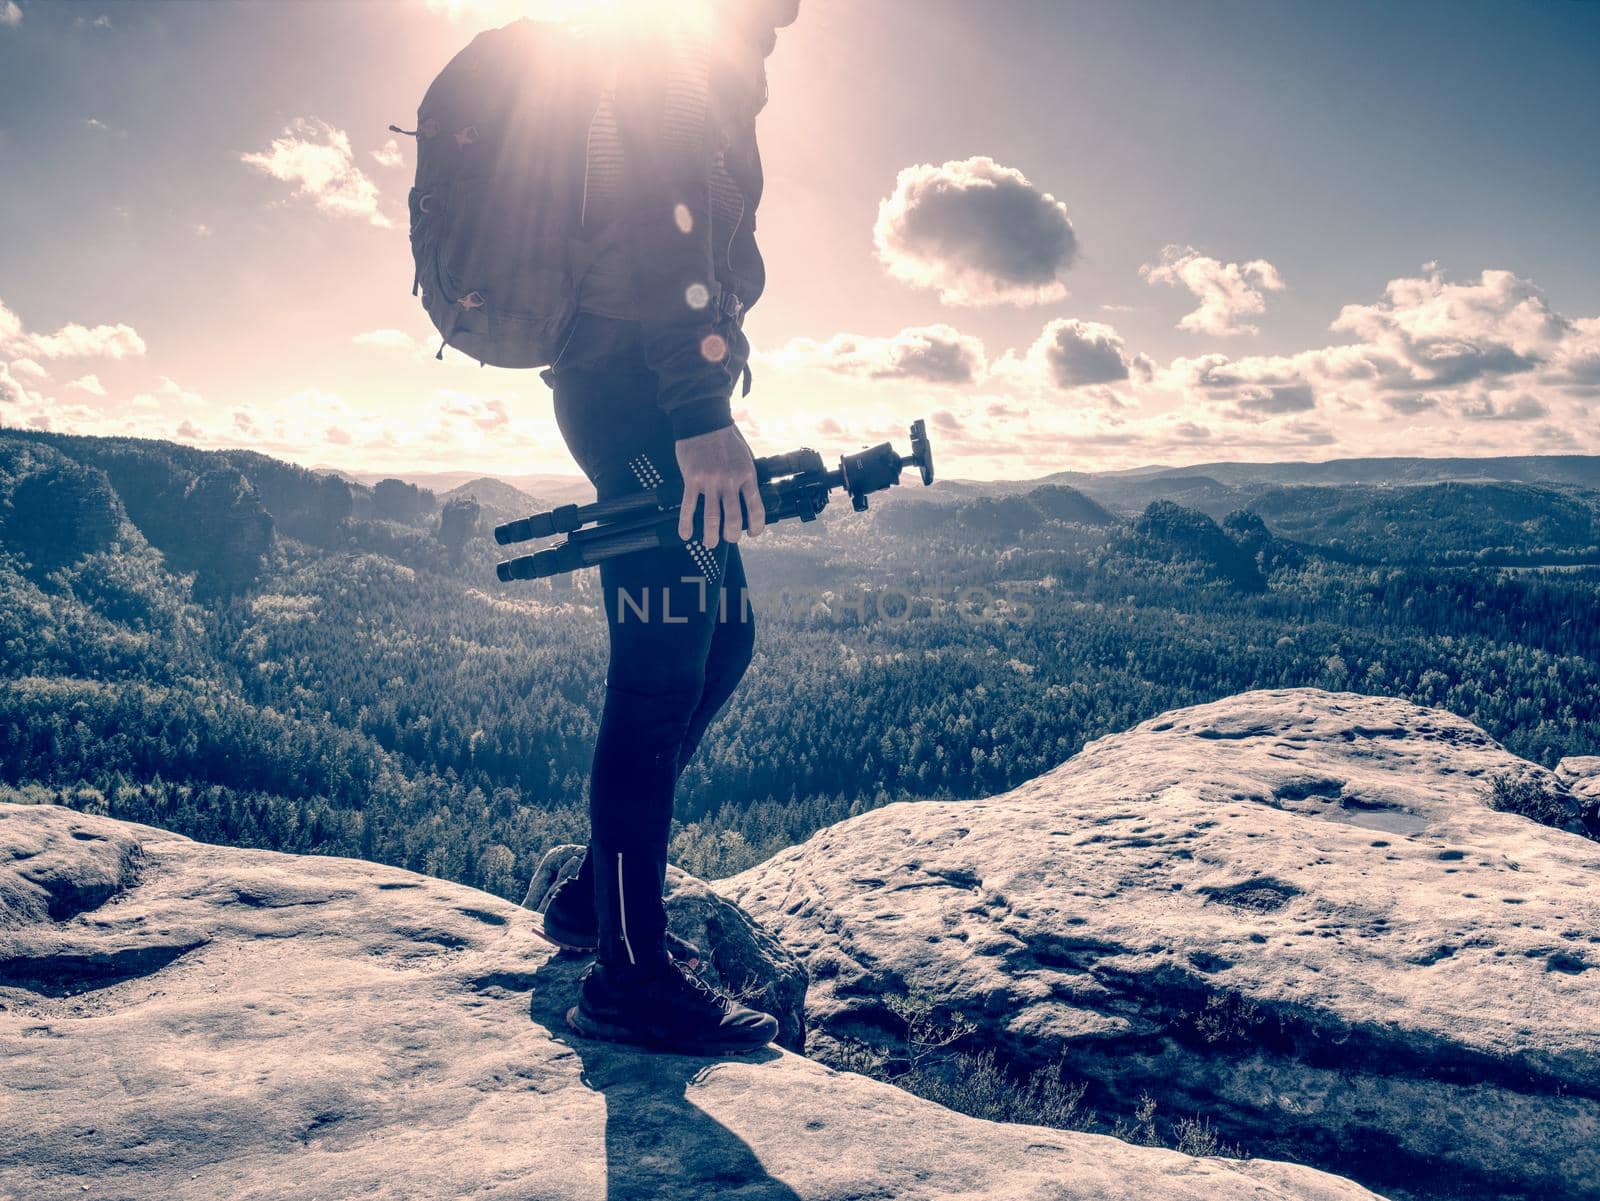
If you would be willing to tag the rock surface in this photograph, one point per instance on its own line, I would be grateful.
(1291, 912)
(183, 1022)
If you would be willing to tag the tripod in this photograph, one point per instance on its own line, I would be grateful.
(796, 484)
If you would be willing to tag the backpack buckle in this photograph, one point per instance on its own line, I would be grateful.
(729, 305)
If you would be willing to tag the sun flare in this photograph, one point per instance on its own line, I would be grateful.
(498, 12)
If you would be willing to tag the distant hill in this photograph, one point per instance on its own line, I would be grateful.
(1132, 494)
(1458, 522)
(1002, 517)
(558, 488)
(1581, 470)
(1060, 503)
(217, 513)
(1217, 489)
(498, 500)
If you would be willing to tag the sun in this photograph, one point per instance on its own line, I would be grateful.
(497, 12)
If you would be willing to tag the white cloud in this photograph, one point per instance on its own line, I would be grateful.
(10, 326)
(317, 159)
(1576, 361)
(1442, 335)
(453, 413)
(423, 349)
(313, 425)
(1070, 353)
(76, 341)
(389, 154)
(1445, 355)
(167, 397)
(1274, 400)
(10, 14)
(386, 339)
(90, 384)
(1228, 292)
(316, 425)
(1432, 367)
(17, 403)
(933, 353)
(1523, 406)
(1429, 366)
(71, 341)
(978, 232)
(22, 407)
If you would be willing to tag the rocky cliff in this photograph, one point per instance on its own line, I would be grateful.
(1297, 913)
(183, 1021)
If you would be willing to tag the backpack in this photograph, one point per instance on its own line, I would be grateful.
(496, 210)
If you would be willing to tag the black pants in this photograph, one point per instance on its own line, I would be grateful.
(681, 636)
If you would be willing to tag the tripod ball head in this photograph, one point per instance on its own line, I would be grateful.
(922, 450)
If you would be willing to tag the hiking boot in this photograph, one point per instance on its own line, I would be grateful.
(568, 921)
(666, 1007)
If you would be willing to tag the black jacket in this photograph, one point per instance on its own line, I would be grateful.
(685, 216)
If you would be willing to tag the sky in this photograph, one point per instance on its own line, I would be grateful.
(1071, 235)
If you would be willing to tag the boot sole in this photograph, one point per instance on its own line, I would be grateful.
(582, 1023)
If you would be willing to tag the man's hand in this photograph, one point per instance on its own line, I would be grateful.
(718, 467)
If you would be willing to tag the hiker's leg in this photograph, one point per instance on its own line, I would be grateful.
(732, 646)
(662, 608)
(727, 656)
(605, 407)
(661, 612)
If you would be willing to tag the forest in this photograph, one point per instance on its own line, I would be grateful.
(247, 652)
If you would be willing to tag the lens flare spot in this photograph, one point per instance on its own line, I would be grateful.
(684, 218)
(698, 296)
(713, 348)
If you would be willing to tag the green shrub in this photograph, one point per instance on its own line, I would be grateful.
(1527, 796)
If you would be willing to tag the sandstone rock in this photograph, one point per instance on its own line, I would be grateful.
(1292, 912)
(745, 960)
(197, 1022)
(1581, 773)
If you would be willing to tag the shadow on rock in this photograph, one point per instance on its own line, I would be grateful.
(659, 1144)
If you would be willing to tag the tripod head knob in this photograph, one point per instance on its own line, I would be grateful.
(922, 450)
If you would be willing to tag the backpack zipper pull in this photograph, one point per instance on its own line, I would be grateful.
(427, 129)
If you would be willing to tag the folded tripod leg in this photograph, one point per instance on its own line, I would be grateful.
(585, 548)
(657, 527)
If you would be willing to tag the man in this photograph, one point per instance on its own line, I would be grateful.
(642, 394)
